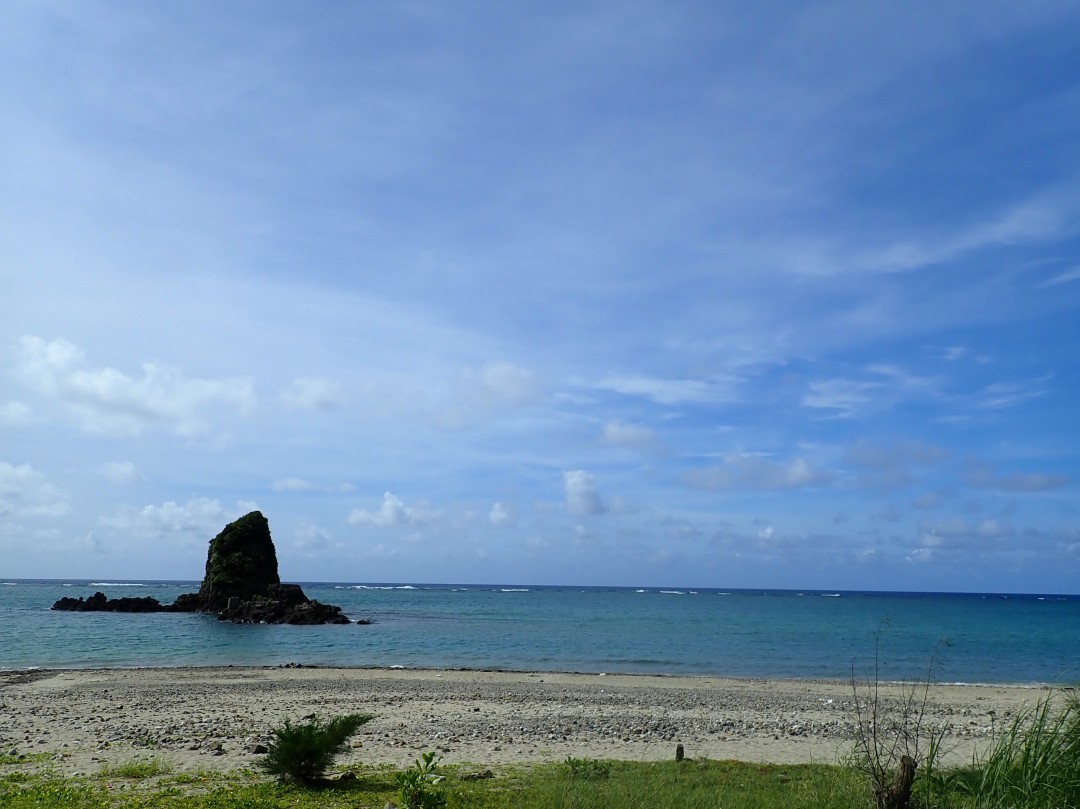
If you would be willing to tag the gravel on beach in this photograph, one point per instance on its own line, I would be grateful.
(215, 718)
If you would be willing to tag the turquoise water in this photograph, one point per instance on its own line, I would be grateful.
(770, 634)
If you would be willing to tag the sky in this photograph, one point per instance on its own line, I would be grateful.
(716, 294)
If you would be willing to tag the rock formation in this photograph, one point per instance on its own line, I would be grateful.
(241, 584)
(241, 563)
(98, 602)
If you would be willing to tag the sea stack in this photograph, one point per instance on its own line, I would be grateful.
(241, 563)
(241, 585)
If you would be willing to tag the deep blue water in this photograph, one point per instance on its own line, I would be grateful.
(983, 638)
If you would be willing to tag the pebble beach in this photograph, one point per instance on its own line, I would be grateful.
(217, 718)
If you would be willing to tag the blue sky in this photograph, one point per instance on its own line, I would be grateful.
(706, 294)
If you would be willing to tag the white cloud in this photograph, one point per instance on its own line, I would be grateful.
(122, 472)
(501, 514)
(296, 484)
(292, 485)
(954, 353)
(1027, 222)
(843, 395)
(312, 394)
(582, 498)
(392, 512)
(1003, 395)
(755, 472)
(24, 493)
(310, 537)
(108, 401)
(500, 381)
(922, 556)
(884, 385)
(628, 436)
(15, 414)
(200, 515)
(673, 391)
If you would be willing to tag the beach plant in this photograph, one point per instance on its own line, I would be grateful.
(1034, 763)
(304, 752)
(892, 736)
(419, 787)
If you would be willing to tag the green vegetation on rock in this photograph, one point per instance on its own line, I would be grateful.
(241, 562)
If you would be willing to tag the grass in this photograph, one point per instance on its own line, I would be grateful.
(626, 784)
(1034, 763)
(25, 758)
(136, 769)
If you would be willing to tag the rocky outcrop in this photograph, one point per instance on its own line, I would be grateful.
(281, 604)
(99, 602)
(241, 563)
(241, 585)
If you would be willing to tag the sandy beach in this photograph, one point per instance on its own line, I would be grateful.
(213, 718)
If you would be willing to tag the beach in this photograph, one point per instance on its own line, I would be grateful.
(214, 718)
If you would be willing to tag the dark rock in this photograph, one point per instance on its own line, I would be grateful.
(241, 563)
(282, 604)
(241, 584)
(188, 602)
(99, 602)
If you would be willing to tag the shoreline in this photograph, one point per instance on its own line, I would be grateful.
(189, 667)
(193, 717)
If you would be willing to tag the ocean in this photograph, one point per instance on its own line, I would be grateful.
(962, 638)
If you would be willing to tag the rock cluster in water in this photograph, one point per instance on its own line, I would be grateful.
(241, 585)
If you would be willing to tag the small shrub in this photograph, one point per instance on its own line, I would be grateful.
(305, 752)
(893, 739)
(418, 785)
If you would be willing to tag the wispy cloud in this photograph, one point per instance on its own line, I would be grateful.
(673, 391)
(1065, 277)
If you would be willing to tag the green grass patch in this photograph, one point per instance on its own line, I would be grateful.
(1008, 778)
(136, 769)
(24, 758)
(663, 785)
(613, 784)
